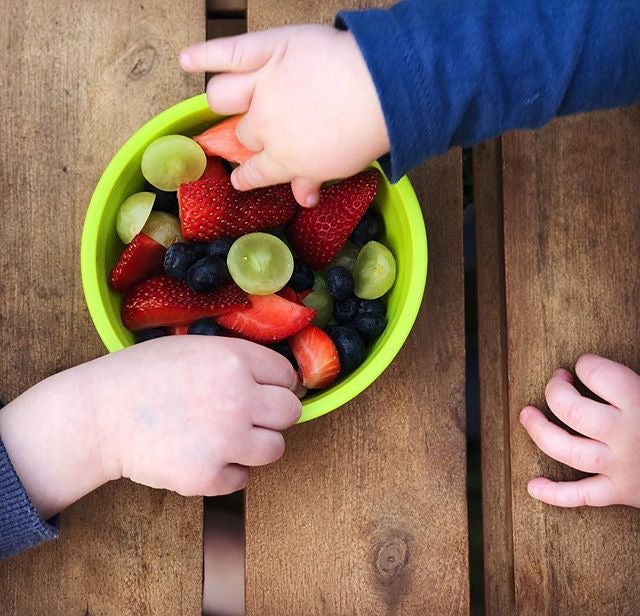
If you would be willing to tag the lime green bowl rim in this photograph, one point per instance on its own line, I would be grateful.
(322, 403)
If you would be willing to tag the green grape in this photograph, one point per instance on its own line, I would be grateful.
(318, 281)
(164, 228)
(260, 263)
(173, 160)
(133, 214)
(320, 300)
(375, 271)
(347, 257)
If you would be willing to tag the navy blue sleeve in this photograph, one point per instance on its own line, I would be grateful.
(457, 72)
(20, 525)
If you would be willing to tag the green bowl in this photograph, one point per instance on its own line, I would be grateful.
(405, 236)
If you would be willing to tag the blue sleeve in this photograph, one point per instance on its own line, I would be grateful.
(457, 72)
(20, 525)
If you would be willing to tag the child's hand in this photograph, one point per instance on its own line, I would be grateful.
(186, 413)
(611, 449)
(312, 109)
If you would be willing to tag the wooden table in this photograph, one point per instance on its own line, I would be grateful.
(367, 512)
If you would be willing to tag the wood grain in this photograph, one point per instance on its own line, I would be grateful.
(366, 513)
(571, 226)
(494, 397)
(80, 77)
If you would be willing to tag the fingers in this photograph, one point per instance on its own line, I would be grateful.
(261, 447)
(586, 416)
(306, 192)
(279, 410)
(230, 94)
(611, 381)
(247, 134)
(231, 478)
(260, 170)
(597, 491)
(581, 453)
(271, 368)
(245, 52)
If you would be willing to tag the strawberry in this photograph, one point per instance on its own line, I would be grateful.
(221, 140)
(271, 318)
(165, 302)
(177, 330)
(318, 234)
(142, 258)
(317, 357)
(215, 169)
(289, 294)
(210, 209)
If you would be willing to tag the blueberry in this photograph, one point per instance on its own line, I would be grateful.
(369, 228)
(284, 349)
(350, 345)
(149, 334)
(220, 247)
(165, 201)
(204, 327)
(345, 310)
(302, 277)
(372, 306)
(339, 282)
(178, 259)
(370, 326)
(207, 274)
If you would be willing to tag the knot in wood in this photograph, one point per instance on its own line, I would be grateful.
(391, 557)
(142, 60)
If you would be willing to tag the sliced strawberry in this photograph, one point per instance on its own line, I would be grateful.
(271, 318)
(210, 209)
(141, 259)
(290, 294)
(303, 294)
(221, 140)
(178, 330)
(165, 302)
(215, 169)
(317, 357)
(318, 234)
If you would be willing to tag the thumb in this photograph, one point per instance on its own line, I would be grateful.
(260, 170)
(306, 192)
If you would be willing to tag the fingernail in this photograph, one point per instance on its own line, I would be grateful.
(185, 60)
(311, 200)
(524, 414)
(234, 180)
(298, 388)
(533, 490)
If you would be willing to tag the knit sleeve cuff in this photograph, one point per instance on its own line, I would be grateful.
(20, 525)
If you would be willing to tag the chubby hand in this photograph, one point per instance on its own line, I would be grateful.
(312, 112)
(610, 445)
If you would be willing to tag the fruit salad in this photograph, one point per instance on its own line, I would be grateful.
(202, 258)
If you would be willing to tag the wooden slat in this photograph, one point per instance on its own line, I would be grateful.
(366, 513)
(494, 399)
(79, 78)
(571, 225)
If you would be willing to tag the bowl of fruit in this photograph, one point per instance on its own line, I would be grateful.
(169, 247)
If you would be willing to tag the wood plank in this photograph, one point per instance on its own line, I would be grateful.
(571, 230)
(366, 513)
(80, 77)
(494, 399)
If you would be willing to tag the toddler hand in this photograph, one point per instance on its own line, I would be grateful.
(610, 447)
(312, 112)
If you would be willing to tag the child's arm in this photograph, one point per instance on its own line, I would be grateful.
(446, 72)
(187, 413)
(610, 447)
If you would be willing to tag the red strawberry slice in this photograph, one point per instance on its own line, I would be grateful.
(215, 169)
(210, 209)
(289, 294)
(271, 318)
(221, 140)
(317, 357)
(165, 302)
(318, 234)
(178, 330)
(142, 258)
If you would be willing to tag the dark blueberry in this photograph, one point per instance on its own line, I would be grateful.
(370, 326)
(369, 228)
(372, 306)
(207, 274)
(204, 327)
(179, 258)
(350, 345)
(149, 334)
(284, 349)
(345, 310)
(339, 282)
(302, 277)
(165, 201)
(220, 247)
